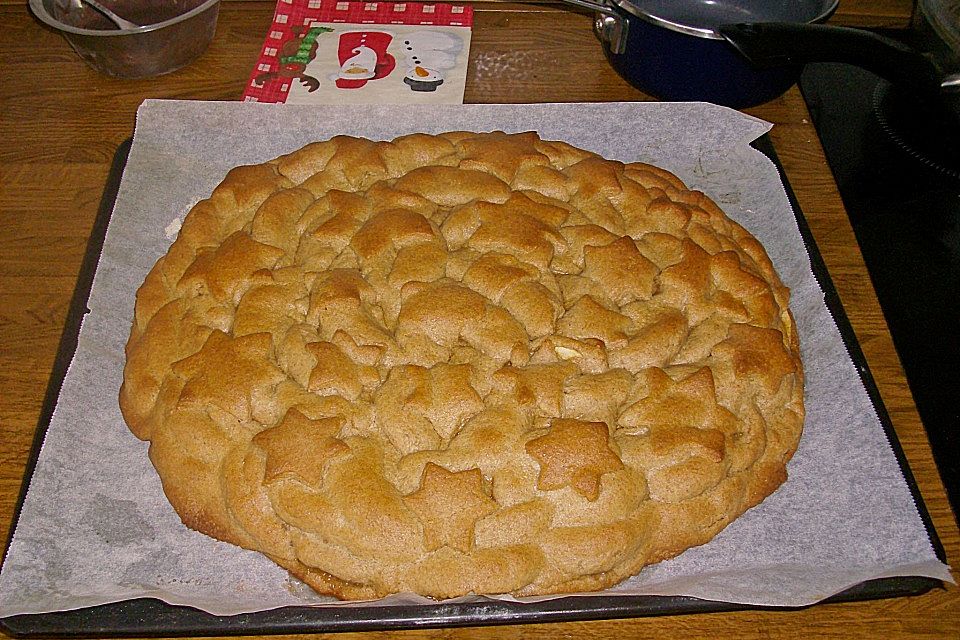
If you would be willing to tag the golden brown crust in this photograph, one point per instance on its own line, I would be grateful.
(462, 363)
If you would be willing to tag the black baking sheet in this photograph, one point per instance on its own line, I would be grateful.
(150, 617)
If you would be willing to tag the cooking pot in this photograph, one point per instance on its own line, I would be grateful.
(931, 78)
(673, 49)
(918, 107)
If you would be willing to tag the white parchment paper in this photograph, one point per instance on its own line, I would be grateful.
(96, 527)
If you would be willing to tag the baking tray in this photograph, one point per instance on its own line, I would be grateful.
(150, 617)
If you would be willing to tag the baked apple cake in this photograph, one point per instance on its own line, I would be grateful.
(461, 363)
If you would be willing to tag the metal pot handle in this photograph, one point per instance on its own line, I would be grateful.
(609, 25)
(771, 44)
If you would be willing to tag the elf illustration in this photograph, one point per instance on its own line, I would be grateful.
(363, 57)
(295, 54)
(428, 54)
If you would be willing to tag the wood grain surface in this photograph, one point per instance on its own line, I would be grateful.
(858, 13)
(61, 122)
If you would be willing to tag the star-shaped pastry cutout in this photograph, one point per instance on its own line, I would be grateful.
(574, 453)
(227, 269)
(759, 354)
(681, 415)
(298, 447)
(337, 373)
(231, 373)
(621, 270)
(449, 504)
(500, 154)
(587, 318)
(690, 402)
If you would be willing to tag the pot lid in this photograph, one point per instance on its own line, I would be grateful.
(701, 18)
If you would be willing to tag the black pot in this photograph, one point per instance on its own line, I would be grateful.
(929, 78)
(673, 50)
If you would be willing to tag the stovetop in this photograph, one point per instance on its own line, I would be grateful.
(906, 216)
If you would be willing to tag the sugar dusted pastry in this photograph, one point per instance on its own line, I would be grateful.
(462, 363)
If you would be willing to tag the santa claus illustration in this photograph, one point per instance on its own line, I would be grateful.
(363, 57)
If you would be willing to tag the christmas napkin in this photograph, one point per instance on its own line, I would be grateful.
(334, 52)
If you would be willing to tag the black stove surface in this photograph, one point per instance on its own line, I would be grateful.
(904, 206)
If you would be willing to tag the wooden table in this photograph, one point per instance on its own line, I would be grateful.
(61, 122)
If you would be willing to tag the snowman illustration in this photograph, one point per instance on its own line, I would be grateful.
(428, 54)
